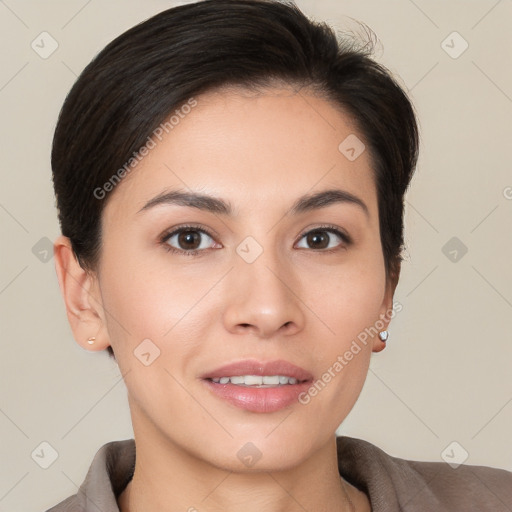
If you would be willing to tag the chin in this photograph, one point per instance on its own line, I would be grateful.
(262, 452)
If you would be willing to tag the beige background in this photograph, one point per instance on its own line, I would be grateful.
(446, 373)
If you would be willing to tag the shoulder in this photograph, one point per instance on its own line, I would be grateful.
(68, 505)
(393, 483)
(111, 469)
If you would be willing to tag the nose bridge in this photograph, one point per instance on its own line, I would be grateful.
(263, 293)
(266, 275)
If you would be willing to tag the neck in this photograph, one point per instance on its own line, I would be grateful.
(167, 478)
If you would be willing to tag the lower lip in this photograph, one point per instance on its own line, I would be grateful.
(256, 399)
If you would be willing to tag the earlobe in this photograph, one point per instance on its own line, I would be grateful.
(386, 313)
(81, 297)
(379, 343)
(380, 339)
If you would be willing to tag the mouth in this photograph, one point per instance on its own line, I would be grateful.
(260, 381)
(258, 387)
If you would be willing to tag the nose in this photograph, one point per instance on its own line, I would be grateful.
(264, 298)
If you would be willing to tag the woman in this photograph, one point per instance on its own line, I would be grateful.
(230, 181)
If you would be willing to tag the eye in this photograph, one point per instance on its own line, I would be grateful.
(188, 239)
(321, 237)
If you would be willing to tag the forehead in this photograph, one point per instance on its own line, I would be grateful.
(254, 149)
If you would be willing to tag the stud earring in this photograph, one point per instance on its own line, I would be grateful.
(91, 340)
(383, 335)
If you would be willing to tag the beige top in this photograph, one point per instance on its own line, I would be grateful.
(392, 484)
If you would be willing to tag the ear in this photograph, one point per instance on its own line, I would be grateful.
(82, 297)
(386, 309)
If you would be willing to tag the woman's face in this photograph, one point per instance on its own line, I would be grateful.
(268, 284)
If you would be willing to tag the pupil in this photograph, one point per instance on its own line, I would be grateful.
(187, 238)
(314, 237)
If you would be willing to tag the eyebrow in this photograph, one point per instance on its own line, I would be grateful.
(219, 206)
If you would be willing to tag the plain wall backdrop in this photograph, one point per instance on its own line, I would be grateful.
(443, 386)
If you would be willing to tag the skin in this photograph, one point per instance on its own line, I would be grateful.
(295, 302)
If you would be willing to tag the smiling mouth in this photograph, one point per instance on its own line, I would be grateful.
(258, 393)
(258, 386)
(258, 381)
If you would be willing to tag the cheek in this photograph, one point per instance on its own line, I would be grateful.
(136, 299)
(153, 306)
(347, 298)
(356, 298)
(347, 302)
(148, 316)
(350, 308)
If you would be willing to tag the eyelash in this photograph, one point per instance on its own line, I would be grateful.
(199, 228)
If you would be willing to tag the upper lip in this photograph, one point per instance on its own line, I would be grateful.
(253, 367)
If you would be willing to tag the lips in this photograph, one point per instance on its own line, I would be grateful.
(251, 367)
(263, 394)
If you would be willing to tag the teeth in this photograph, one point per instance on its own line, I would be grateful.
(256, 380)
(253, 380)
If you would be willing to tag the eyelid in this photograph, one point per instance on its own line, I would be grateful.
(186, 227)
(331, 228)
